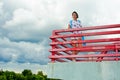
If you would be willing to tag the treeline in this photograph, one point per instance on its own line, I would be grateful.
(25, 75)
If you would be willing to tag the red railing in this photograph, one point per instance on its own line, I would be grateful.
(105, 49)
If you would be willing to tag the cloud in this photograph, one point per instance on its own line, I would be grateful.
(107, 13)
(25, 25)
(23, 52)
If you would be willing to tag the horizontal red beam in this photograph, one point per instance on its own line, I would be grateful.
(85, 56)
(62, 54)
(86, 34)
(94, 60)
(62, 45)
(64, 40)
(89, 28)
(111, 59)
(64, 51)
(89, 48)
(93, 49)
(88, 59)
(101, 45)
(60, 60)
(85, 41)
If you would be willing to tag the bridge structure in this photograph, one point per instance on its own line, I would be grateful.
(104, 48)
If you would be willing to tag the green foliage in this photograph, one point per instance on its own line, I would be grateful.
(27, 72)
(25, 75)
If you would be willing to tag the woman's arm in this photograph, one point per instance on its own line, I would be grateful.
(68, 26)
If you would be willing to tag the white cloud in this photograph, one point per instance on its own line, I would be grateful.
(108, 12)
(27, 24)
(23, 52)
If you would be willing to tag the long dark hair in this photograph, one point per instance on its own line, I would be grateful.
(75, 13)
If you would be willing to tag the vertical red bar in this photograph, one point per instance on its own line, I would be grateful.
(116, 52)
(53, 47)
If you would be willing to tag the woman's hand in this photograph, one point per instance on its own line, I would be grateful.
(68, 26)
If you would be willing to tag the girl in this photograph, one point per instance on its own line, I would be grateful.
(75, 23)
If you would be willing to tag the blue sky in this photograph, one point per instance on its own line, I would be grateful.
(25, 26)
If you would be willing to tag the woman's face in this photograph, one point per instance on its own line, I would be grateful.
(74, 16)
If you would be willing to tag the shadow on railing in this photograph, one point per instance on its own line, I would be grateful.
(106, 46)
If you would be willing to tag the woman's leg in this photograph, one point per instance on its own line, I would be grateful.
(80, 44)
(74, 52)
(79, 39)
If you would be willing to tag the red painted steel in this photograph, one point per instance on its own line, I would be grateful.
(89, 28)
(108, 49)
(86, 34)
(89, 48)
(86, 56)
(86, 41)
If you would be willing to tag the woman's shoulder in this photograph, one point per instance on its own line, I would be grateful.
(79, 21)
(70, 21)
(73, 20)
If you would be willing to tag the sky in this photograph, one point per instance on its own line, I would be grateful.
(25, 26)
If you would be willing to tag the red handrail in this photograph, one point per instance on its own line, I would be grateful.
(62, 44)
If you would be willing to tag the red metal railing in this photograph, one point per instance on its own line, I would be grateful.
(107, 49)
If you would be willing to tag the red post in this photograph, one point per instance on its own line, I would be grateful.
(53, 47)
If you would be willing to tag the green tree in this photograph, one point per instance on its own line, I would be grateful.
(19, 77)
(10, 75)
(27, 72)
(3, 77)
(40, 73)
(25, 75)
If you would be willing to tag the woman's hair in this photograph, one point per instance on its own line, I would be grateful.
(74, 12)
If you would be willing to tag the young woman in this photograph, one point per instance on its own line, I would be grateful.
(75, 23)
